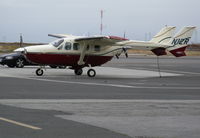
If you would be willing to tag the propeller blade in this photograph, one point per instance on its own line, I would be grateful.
(117, 56)
(126, 54)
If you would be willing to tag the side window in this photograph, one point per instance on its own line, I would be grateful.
(97, 48)
(68, 46)
(76, 46)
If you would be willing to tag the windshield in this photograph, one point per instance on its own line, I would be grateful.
(57, 42)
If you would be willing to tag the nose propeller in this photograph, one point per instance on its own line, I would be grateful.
(25, 51)
(124, 50)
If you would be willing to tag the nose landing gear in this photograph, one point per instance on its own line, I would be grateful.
(39, 72)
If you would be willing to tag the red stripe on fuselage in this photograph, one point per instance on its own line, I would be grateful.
(67, 60)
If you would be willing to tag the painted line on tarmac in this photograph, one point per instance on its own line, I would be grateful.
(58, 101)
(115, 85)
(71, 82)
(84, 83)
(108, 85)
(170, 71)
(20, 124)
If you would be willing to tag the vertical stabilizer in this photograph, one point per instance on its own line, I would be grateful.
(180, 41)
(164, 35)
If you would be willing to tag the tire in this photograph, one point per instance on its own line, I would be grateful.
(91, 73)
(39, 72)
(11, 65)
(19, 63)
(53, 66)
(78, 71)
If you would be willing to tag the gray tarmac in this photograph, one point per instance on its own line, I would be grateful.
(127, 98)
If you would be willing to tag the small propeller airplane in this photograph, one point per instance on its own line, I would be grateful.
(77, 52)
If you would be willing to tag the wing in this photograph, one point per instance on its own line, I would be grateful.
(101, 39)
(104, 40)
(117, 41)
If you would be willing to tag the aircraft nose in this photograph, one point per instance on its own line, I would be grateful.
(35, 49)
(25, 51)
(19, 50)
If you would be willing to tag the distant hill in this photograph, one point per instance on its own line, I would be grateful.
(6, 47)
(194, 47)
(18, 44)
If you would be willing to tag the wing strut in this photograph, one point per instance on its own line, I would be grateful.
(82, 55)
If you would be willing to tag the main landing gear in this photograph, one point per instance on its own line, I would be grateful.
(90, 72)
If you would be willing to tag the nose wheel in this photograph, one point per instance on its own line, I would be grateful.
(91, 73)
(39, 72)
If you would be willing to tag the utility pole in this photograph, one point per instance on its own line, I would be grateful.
(101, 26)
(21, 41)
(124, 34)
(149, 36)
(196, 36)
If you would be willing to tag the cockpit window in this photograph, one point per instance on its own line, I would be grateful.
(57, 42)
(68, 46)
(60, 47)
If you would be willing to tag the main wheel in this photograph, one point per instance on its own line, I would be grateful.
(91, 73)
(19, 63)
(78, 71)
(39, 72)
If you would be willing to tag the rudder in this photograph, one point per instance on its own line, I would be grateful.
(180, 41)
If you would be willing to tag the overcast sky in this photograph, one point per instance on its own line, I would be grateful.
(36, 18)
